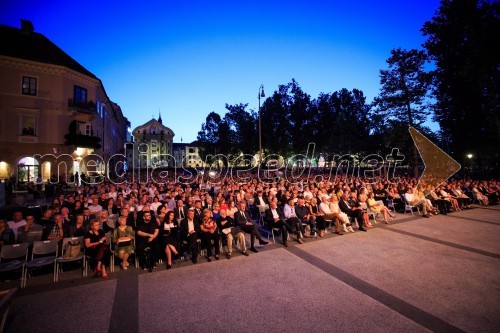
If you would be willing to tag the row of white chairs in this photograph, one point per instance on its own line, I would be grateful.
(44, 253)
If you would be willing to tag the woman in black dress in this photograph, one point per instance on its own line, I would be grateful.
(97, 249)
(320, 221)
(170, 236)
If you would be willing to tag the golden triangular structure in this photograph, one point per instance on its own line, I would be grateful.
(439, 166)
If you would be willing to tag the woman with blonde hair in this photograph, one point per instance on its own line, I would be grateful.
(378, 207)
(123, 237)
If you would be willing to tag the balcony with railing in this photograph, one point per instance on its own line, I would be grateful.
(74, 138)
(87, 107)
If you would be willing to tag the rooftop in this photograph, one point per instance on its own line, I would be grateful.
(27, 44)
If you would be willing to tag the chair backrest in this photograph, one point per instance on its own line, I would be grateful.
(407, 197)
(67, 240)
(108, 238)
(45, 247)
(14, 251)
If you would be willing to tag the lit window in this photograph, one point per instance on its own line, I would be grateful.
(27, 125)
(29, 85)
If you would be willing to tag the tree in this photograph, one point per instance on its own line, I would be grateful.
(286, 120)
(462, 41)
(322, 123)
(275, 125)
(337, 123)
(243, 126)
(351, 121)
(209, 135)
(299, 117)
(404, 91)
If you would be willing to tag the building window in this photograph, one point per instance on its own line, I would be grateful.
(28, 125)
(88, 129)
(29, 85)
(80, 95)
(85, 128)
(27, 169)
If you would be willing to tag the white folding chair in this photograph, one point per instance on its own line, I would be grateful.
(365, 208)
(390, 205)
(81, 256)
(41, 257)
(14, 257)
(408, 207)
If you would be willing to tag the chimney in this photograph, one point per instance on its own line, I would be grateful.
(27, 27)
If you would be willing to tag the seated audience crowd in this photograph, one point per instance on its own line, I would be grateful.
(169, 222)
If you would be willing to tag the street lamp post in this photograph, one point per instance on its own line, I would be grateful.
(469, 157)
(261, 94)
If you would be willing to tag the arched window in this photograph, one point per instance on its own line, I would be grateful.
(27, 169)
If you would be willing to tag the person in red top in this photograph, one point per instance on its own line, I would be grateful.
(208, 234)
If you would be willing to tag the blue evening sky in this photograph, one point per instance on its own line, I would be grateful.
(188, 58)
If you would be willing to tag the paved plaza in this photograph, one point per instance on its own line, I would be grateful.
(440, 274)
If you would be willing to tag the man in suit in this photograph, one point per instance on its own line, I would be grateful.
(261, 201)
(276, 219)
(243, 219)
(209, 203)
(180, 211)
(198, 211)
(67, 218)
(87, 216)
(351, 209)
(190, 229)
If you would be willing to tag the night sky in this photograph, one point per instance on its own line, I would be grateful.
(188, 58)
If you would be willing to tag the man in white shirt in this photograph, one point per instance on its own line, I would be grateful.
(112, 193)
(293, 220)
(261, 202)
(276, 219)
(17, 222)
(190, 228)
(324, 208)
(170, 202)
(95, 207)
(307, 192)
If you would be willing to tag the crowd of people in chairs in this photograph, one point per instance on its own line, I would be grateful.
(174, 221)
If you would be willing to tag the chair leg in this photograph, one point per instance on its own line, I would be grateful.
(85, 265)
(23, 272)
